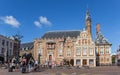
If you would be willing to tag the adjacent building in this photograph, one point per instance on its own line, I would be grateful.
(27, 48)
(6, 48)
(118, 56)
(103, 49)
(55, 46)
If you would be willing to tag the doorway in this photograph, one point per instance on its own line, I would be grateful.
(50, 57)
(84, 62)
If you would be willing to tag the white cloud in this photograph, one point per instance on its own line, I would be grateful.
(37, 23)
(10, 20)
(44, 20)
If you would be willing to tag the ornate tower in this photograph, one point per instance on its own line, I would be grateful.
(88, 23)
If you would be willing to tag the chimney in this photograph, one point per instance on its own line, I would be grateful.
(97, 28)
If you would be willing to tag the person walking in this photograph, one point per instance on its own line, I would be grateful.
(23, 65)
(31, 64)
(13, 63)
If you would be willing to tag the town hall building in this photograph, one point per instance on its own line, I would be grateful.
(73, 47)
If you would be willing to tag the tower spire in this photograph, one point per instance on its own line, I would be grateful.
(88, 23)
(88, 15)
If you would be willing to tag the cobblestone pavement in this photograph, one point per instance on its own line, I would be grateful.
(106, 70)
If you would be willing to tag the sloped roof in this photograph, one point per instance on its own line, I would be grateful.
(61, 34)
(101, 39)
(27, 45)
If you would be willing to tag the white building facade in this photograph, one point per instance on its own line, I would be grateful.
(6, 48)
(84, 53)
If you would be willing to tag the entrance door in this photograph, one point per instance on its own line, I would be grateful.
(84, 62)
(50, 57)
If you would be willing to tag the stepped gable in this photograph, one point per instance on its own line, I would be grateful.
(101, 39)
(61, 34)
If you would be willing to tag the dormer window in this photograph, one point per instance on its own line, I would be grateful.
(51, 45)
(26, 48)
(22, 48)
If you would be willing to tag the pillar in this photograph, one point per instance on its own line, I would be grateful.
(74, 62)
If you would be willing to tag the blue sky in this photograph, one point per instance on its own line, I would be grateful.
(32, 18)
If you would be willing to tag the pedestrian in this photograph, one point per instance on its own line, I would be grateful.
(13, 63)
(50, 64)
(45, 64)
(10, 66)
(53, 64)
(31, 64)
(23, 65)
(36, 65)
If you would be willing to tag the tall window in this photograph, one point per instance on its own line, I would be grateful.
(78, 62)
(96, 50)
(2, 50)
(91, 62)
(91, 51)
(40, 50)
(3, 42)
(102, 59)
(68, 53)
(84, 51)
(101, 50)
(7, 43)
(60, 53)
(10, 44)
(107, 50)
(107, 59)
(78, 51)
(10, 52)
